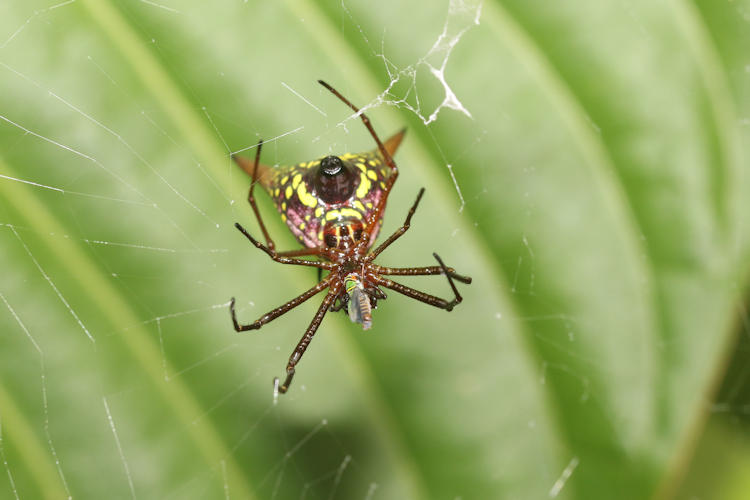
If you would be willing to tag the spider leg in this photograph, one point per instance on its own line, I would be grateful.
(399, 232)
(307, 337)
(338, 305)
(422, 296)
(283, 259)
(275, 313)
(378, 212)
(419, 271)
(376, 293)
(383, 151)
(300, 252)
(251, 197)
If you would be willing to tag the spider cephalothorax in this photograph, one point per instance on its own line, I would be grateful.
(334, 207)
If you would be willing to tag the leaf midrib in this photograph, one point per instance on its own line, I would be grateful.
(717, 88)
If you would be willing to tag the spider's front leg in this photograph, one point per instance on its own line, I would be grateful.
(275, 313)
(307, 337)
(292, 303)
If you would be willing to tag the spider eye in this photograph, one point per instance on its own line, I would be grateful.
(330, 240)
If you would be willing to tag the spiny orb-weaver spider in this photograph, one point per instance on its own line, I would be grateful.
(334, 207)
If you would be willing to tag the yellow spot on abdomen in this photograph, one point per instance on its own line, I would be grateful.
(343, 212)
(364, 185)
(306, 198)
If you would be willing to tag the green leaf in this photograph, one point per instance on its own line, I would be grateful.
(591, 175)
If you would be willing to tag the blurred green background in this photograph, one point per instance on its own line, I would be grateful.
(593, 182)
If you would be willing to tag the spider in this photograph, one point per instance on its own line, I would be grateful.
(334, 207)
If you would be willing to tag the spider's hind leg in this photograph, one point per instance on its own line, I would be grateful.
(286, 257)
(245, 164)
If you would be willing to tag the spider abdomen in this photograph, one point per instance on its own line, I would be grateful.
(310, 195)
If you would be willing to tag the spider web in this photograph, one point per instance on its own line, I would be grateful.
(118, 183)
